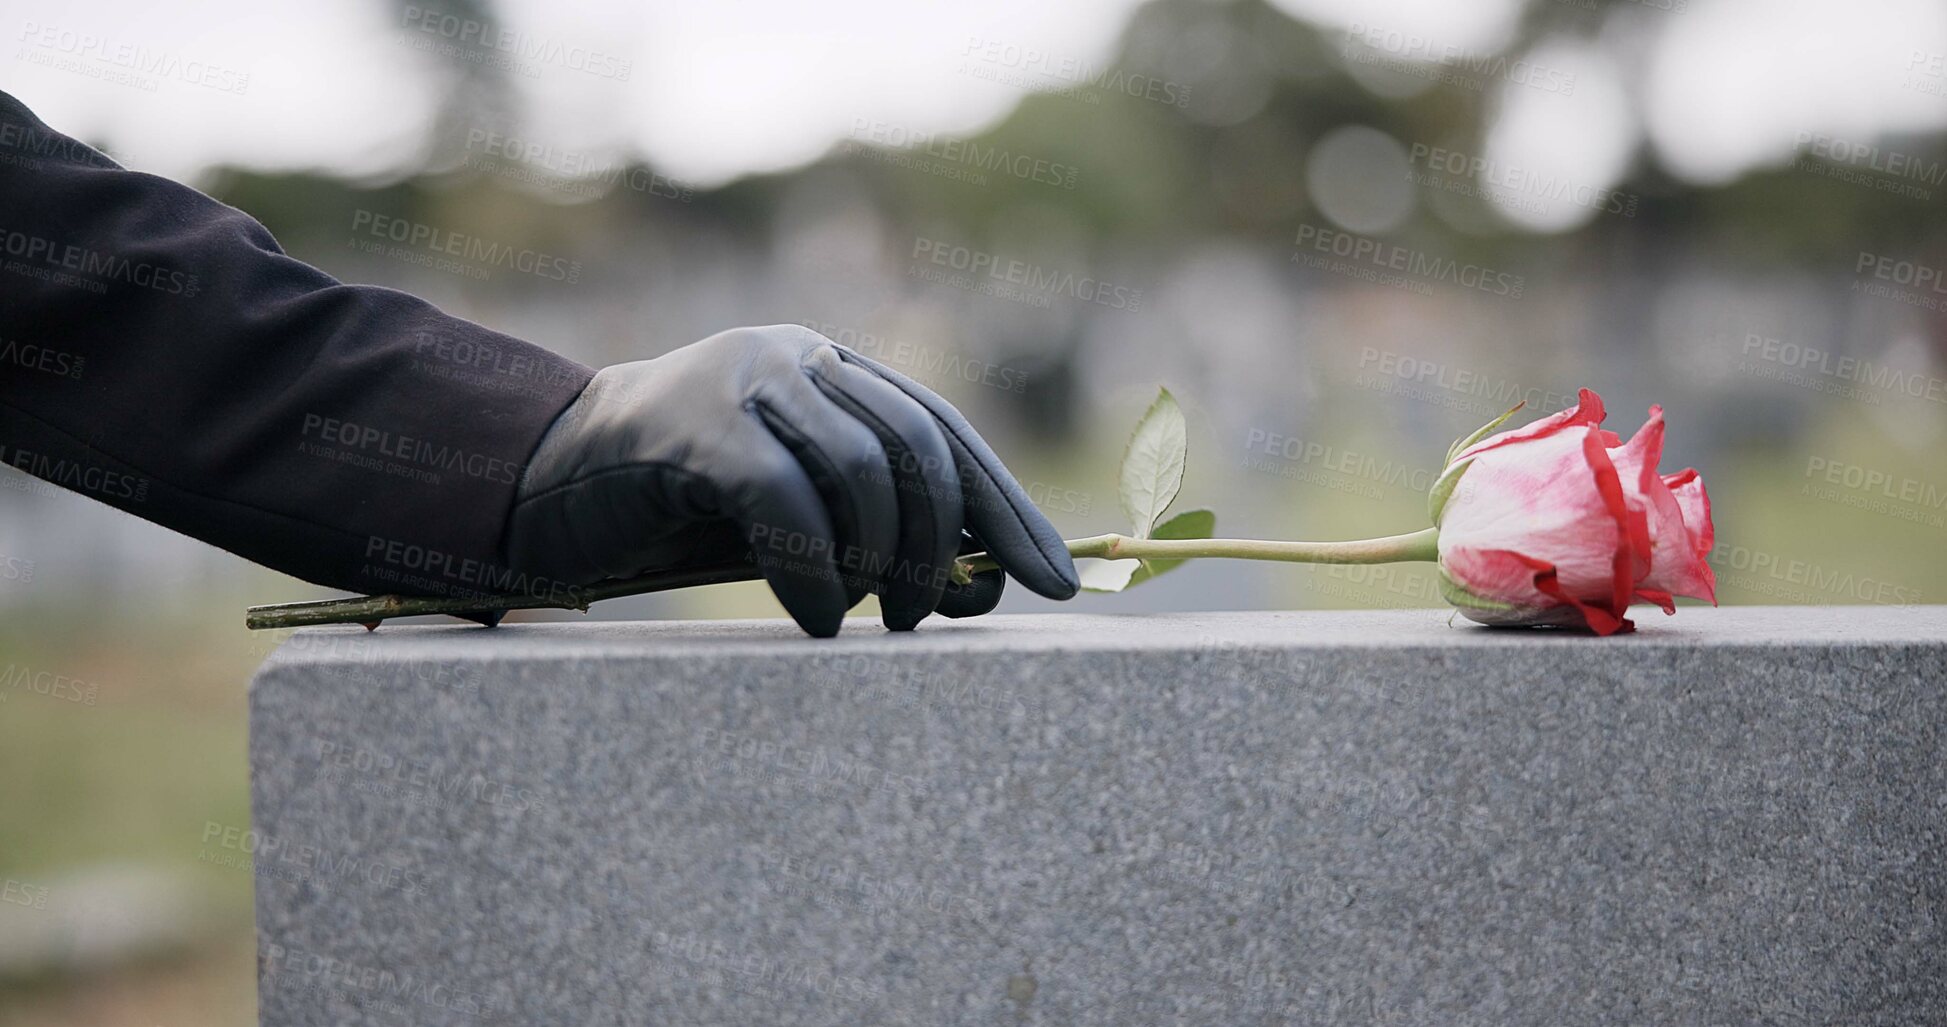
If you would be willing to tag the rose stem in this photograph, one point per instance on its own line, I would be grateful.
(1419, 545)
(369, 610)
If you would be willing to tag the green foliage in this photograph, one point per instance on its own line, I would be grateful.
(1186, 525)
(1152, 465)
(1480, 433)
(1152, 474)
(1436, 500)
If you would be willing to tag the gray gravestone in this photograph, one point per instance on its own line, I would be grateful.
(1735, 817)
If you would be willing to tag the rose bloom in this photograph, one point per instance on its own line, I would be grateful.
(1563, 523)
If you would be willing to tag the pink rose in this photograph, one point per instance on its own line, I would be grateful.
(1560, 522)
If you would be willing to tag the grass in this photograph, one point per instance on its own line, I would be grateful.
(130, 777)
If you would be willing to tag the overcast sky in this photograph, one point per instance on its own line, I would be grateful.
(715, 90)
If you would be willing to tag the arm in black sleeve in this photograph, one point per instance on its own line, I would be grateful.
(161, 353)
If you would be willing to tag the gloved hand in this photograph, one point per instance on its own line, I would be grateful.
(835, 475)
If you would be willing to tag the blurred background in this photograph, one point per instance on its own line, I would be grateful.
(1342, 232)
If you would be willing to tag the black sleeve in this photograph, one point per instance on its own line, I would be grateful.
(161, 353)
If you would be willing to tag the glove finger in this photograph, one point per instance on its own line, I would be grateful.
(1018, 536)
(978, 596)
(848, 466)
(974, 598)
(928, 489)
(784, 521)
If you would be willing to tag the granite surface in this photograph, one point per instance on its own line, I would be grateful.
(1735, 816)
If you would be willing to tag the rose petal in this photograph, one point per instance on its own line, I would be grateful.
(1664, 599)
(1688, 486)
(1622, 578)
(1599, 620)
(1675, 563)
(1636, 465)
(1537, 498)
(1497, 575)
(1587, 412)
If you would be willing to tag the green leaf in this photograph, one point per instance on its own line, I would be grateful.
(1152, 466)
(1106, 575)
(1436, 498)
(1116, 575)
(1484, 430)
(1186, 525)
(1460, 598)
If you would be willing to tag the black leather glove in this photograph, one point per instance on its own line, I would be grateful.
(834, 475)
